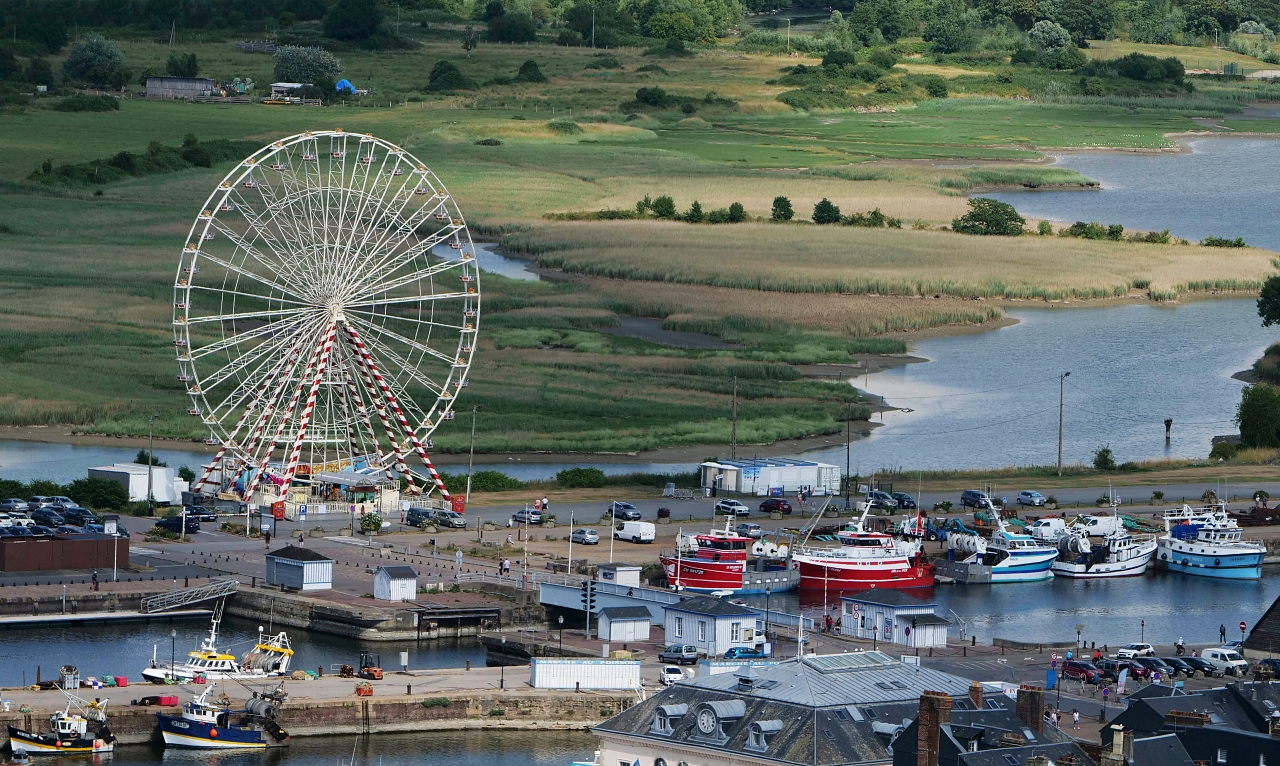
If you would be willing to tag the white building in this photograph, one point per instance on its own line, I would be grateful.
(712, 624)
(893, 617)
(299, 569)
(583, 674)
(623, 624)
(166, 489)
(622, 574)
(763, 477)
(397, 583)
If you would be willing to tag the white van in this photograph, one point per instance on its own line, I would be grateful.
(1228, 661)
(635, 531)
(1100, 526)
(1047, 530)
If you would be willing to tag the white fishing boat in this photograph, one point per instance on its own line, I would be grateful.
(70, 731)
(1207, 542)
(1118, 554)
(1012, 556)
(269, 657)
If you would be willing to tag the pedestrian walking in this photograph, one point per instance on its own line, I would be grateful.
(267, 536)
(1222, 633)
(546, 504)
(95, 582)
(1053, 717)
(1182, 646)
(302, 543)
(1075, 718)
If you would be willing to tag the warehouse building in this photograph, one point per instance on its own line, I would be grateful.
(770, 477)
(179, 87)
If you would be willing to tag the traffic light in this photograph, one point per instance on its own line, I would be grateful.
(588, 596)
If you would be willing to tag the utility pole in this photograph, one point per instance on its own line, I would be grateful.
(788, 36)
(151, 461)
(471, 458)
(733, 449)
(848, 443)
(1062, 384)
(593, 26)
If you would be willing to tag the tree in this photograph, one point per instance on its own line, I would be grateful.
(737, 213)
(825, 212)
(781, 210)
(935, 85)
(581, 478)
(1259, 415)
(141, 459)
(1084, 19)
(695, 213)
(529, 72)
(988, 216)
(1103, 459)
(182, 66)
(352, 20)
(447, 77)
(469, 40)
(186, 474)
(306, 10)
(949, 36)
(513, 28)
(95, 61)
(1269, 301)
(1048, 36)
(605, 20)
(664, 207)
(304, 65)
(671, 26)
(99, 493)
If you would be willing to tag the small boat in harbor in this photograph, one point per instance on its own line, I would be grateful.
(1208, 542)
(1117, 554)
(723, 560)
(83, 730)
(864, 559)
(213, 725)
(269, 657)
(1011, 556)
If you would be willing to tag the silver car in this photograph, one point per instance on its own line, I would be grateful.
(749, 530)
(585, 536)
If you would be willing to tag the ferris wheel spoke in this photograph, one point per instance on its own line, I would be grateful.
(243, 337)
(263, 354)
(265, 298)
(250, 315)
(404, 366)
(383, 332)
(279, 246)
(393, 256)
(373, 290)
(352, 251)
(251, 397)
(256, 255)
(402, 318)
(417, 299)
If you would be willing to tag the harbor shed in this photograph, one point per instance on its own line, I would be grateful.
(584, 674)
(623, 624)
(771, 477)
(299, 569)
(397, 583)
(893, 617)
(622, 574)
(711, 624)
(179, 87)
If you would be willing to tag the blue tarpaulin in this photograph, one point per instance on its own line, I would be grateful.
(345, 84)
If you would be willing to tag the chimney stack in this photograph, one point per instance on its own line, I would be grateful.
(935, 711)
(1031, 706)
(1115, 756)
(975, 695)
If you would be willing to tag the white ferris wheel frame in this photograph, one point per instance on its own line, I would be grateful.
(328, 251)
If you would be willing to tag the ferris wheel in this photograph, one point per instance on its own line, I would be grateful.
(325, 313)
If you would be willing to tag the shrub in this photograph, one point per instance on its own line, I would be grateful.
(737, 213)
(863, 72)
(84, 103)
(1069, 57)
(825, 212)
(1093, 230)
(370, 522)
(1048, 36)
(179, 65)
(570, 38)
(513, 28)
(98, 493)
(782, 212)
(437, 702)
(652, 96)
(488, 142)
(529, 72)
(606, 61)
(1104, 459)
(564, 127)
(1223, 451)
(1258, 415)
(948, 36)
(496, 712)
(575, 478)
(719, 215)
(872, 220)
(1044, 228)
(446, 77)
(934, 85)
(945, 505)
(1103, 500)
(1024, 56)
(97, 62)
(664, 513)
(198, 156)
(1153, 237)
(298, 64)
(688, 108)
(1262, 495)
(989, 217)
(664, 207)
(1157, 496)
(882, 59)
(839, 58)
(1222, 242)
(352, 20)
(694, 215)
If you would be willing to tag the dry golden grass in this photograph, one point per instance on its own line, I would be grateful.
(944, 71)
(1192, 58)
(854, 315)
(536, 130)
(838, 259)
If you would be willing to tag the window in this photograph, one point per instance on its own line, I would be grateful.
(659, 762)
(735, 632)
(679, 627)
(1222, 755)
(702, 630)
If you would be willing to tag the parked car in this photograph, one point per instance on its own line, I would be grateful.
(635, 531)
(1228, 661)
(1129, 651)
(40, 531)
(583, 536)
(79, 516)
(775, 505)
(174, 524)
(67, 530)
(1082, 671)
(47, 517)
(905, 502)
(1112, 668)
(416, 517)
(1180, 665)
(670, 674)
(450, 519)
(202, 513)
(732, 508)
(13, 504)
(749, 530)
(1208, 669)
(1236, 645)
(527, 516)
(39, 501)
(743, 653)
(975, 498)
(1157, 665)
(882, 500)
(680, 654)
(1269, 667)
(20, 519)
(1030, 497)
(622, 511)
(17, 531)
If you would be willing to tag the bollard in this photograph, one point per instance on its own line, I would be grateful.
(320, 672)
(577, 687)
(975, 640)
(408, 689)
(964, 651)
(468, 664)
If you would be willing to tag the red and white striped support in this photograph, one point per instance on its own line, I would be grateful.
(395, 407)
(400, 465)
(247, 449)
(310, 406)
(286, 417)
(348, 411)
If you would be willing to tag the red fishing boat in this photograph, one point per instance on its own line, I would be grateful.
(864, 560)
(723, 560)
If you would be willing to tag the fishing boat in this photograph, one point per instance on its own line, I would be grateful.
(206, 724)
(269, 657)
(82, 730)
(1117, 554)
(864, 559)
(723, 560)
(1208, 542)
(1011, 556)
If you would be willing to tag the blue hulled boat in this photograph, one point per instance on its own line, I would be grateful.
(1208, 543)
(214, 725)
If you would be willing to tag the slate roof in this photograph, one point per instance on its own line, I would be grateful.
(886, 597)
(712, 606)
(625, 613)
(294, 553)
(400, 572)
(1017, 756)
(1153, 691)
(1162, 750)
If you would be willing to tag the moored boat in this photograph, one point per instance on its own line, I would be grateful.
(1011, 556)
(269, 657)
(864, 559)
(1118, 554)
(214, 725)
(81, 731)
(723, 560)
(1208, 543)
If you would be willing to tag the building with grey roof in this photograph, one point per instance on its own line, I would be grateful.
(712, 624)
(893, 617)
(832, 710)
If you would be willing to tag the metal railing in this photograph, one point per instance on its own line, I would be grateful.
(213, 589)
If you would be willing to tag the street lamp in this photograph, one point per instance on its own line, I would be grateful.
(472, 455)
(173, 654)
(560, 620)
(1062, 384)
(767, 590)
(502, 678)
(1079, 632)
(151, 459)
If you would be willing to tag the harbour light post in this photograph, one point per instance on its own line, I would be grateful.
(151, 461)
(502, 677)
(472, 455)
(560, 621)
(1062, 385)
(173, 653)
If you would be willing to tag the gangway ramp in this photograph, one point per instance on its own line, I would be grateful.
(219, 588)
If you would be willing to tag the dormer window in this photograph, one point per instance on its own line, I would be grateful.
(712, 718)
(665, 718)
(761, 734)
